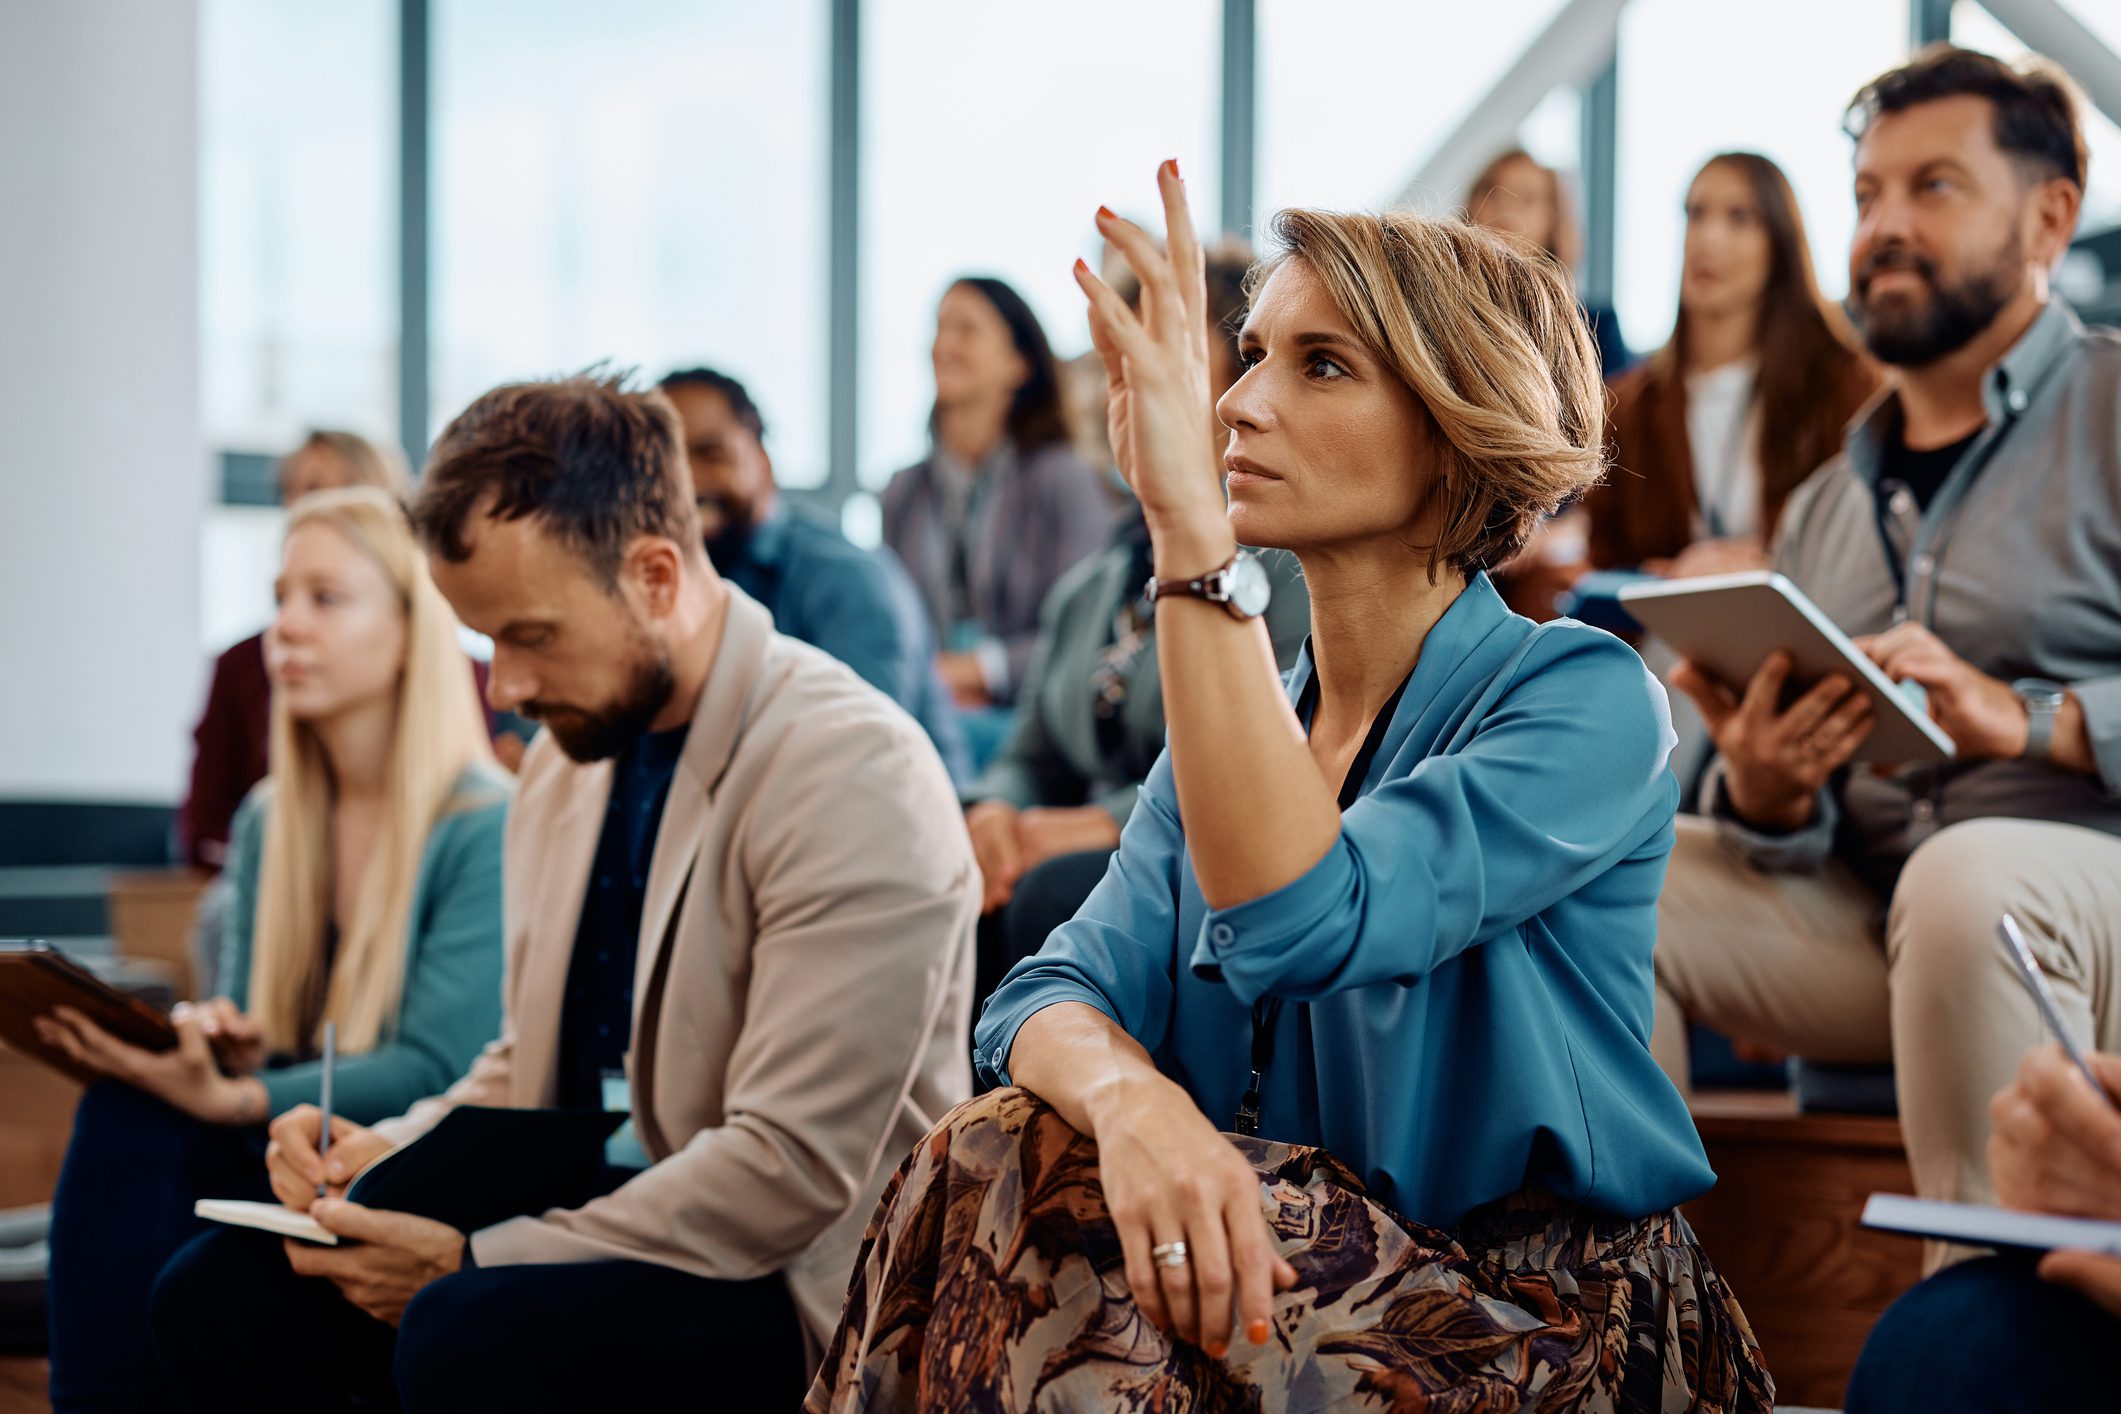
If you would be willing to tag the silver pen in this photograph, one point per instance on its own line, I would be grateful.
(331, 1050)
(2029, 970)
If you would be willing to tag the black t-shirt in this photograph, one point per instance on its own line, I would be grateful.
(596, 1013)
(1922, 473)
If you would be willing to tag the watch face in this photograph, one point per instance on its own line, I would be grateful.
(1250, 588)
(2040, 692)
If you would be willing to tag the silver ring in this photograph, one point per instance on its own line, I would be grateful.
(1169, 1254)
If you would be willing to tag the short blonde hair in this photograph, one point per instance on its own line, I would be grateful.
(1486, 331)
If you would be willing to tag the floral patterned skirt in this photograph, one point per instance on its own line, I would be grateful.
(991, 1279)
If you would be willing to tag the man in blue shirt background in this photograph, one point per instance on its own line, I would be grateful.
(857, 605)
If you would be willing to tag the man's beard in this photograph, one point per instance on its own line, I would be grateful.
(602, 734)
(1913, 333)
(728, 547)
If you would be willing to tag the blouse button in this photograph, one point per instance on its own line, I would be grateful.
(1222, 935)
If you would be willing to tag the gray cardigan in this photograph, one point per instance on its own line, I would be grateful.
(1046, 511)
(1053, 754)
(2016, 565)
(451, 1003)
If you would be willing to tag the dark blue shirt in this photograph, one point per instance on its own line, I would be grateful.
(859, 606)
(596, 1017)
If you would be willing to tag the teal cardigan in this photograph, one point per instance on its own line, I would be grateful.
(451, 1005)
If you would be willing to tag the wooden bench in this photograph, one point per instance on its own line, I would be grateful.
(1781, 1225)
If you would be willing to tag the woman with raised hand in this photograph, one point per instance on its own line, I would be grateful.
(1400, 944)
(367, 893)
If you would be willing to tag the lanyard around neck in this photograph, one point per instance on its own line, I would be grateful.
(1266, 1012)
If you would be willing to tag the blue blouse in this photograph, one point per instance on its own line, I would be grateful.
(1474, 949)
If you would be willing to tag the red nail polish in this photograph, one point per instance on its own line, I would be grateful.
(1218, 1350)
(1257, 1332)
(1104, 213)
(1172, 163)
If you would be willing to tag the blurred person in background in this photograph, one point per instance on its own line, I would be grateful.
(366, 891)
(1519, 196)
(1711, 433)
(1047, 812)
(230, 739)
(856, 605)
(1001, 507)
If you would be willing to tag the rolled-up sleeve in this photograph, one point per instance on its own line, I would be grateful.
(1565, 775)
(1800, 851)
(1119, 951)
(2101, 700)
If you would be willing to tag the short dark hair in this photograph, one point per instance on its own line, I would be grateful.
(598, 462)
(2036, 105)
(1037, 415)
(716, 381)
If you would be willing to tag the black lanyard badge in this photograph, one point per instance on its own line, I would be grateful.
(1266, 1012)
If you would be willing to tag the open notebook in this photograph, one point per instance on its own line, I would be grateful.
(475, 1168)
(1979, 1226)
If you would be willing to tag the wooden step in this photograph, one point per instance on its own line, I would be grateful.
(1781, 1225)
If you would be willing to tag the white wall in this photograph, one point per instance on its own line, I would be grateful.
(103, 482)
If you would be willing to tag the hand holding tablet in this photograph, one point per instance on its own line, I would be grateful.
(1728, 627)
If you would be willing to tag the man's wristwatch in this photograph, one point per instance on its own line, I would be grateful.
(1240, 586)
(2043, 700)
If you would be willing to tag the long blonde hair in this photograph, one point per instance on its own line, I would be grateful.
(440, 733)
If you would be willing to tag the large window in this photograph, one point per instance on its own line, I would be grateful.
(1354, 95)
(1975, 28)
(990, 134)
(638, 181)
(1699, 79)
(298, 311)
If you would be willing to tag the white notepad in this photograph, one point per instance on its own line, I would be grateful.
(1980, 1226)
(265, 1217)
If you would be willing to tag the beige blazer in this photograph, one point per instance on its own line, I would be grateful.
(803, 984)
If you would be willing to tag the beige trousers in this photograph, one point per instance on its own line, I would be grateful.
(1799, 961)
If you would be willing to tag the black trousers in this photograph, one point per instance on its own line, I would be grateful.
(237, 1330)
(123, 1209)
(1045, 898)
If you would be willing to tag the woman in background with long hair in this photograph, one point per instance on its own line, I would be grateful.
(1001, 506)
(1711, 433)
(366, 870)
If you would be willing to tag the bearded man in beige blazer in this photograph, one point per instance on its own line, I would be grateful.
(725, 844)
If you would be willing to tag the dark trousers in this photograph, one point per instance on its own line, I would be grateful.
(123, 1208)
(237, 1330)
(1987, 1337)
(1045, 898)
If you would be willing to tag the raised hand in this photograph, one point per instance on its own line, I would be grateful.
(1157, 364)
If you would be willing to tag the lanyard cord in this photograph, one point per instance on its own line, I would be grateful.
(1266, 1012)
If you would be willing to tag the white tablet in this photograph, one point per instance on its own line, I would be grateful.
(1977, 1226)
(1727, 624)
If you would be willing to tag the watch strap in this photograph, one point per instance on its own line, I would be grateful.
(2039, 728)
(1214, 586)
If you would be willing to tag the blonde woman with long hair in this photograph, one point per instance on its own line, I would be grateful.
(1337, 1092)
(367, 894)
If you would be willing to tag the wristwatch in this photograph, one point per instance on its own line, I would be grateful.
(1240, 586)
(2042, 699)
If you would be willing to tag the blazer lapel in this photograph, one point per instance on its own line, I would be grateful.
(554, 917)
(676, 871)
